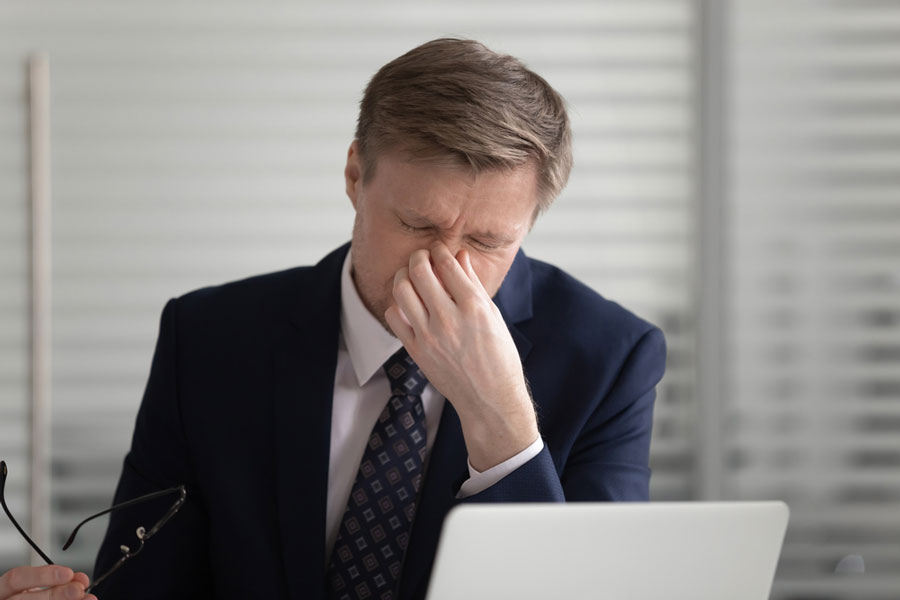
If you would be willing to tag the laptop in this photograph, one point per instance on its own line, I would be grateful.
(615, 551)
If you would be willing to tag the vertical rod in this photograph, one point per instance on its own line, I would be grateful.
(712, 167)
(39, 133)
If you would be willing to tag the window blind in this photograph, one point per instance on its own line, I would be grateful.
(814, 294)
(199, 142)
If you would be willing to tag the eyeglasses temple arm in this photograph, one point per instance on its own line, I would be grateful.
(3, 472)
(103, 577)
(171, 513)
(71, 539)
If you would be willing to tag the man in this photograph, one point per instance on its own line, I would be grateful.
(324, 419)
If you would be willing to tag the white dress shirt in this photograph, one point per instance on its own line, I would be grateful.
(361, 391)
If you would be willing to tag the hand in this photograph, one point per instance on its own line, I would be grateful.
(51, 582)
(456, 334)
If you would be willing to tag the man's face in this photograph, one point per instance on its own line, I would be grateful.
(408, 206)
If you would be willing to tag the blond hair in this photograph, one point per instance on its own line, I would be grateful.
(457, 99)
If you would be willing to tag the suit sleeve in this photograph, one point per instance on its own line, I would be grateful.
(174, 563)
(609, 459)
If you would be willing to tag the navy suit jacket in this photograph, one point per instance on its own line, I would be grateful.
(238, 408)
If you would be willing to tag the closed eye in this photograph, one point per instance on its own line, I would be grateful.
(485, 245)
(413, 228)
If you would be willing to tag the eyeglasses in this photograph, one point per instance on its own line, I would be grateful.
(142, 533)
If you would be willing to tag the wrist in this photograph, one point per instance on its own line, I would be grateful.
(494, 438)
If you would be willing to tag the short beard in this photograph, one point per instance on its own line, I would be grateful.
(366, 295)
(374, 310)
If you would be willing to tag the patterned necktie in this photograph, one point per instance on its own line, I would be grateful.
(374, 531)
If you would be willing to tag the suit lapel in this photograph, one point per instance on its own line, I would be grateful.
(447, 465)
(514, 296)
(304, 361)
(514, 301)
(447, 470)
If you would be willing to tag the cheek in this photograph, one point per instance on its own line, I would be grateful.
(491, 271)
(393, 254)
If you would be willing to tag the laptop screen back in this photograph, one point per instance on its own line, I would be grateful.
(628, 551)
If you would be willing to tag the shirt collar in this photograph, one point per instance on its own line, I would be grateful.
(368, 342)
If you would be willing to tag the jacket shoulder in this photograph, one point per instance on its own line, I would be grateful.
(252, 297)
(265, 296)
(585, 318)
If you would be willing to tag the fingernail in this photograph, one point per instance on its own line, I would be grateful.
(63, 574)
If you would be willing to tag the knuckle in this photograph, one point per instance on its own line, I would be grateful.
(403, 291)
(445, 329)
(427, 339)
(487, 315)
(72, 590)
(465, 305)
(446, 260)
(16, 578)
(419, 269)
(439, 320)
(470, 304)
(400, 278)
(59, 593)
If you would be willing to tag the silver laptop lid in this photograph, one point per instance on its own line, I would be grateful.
(617, 551)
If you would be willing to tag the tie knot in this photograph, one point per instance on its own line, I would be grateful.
(404, 374)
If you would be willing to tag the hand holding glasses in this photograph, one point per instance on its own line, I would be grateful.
(143, 534)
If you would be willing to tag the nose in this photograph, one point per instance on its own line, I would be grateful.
(452, 241)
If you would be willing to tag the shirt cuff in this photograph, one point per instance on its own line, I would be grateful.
(480, 481)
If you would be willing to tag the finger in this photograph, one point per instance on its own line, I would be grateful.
(70, 591)
(83, 578)
(20, 579)
(399, 325)
(426, 283)
(465, 259)
(408, 300)
(451, 273)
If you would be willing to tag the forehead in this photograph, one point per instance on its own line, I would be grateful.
(449, 193)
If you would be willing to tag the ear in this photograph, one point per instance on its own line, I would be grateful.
(353, 173)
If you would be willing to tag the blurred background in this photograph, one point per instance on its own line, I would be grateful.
(737, 182)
